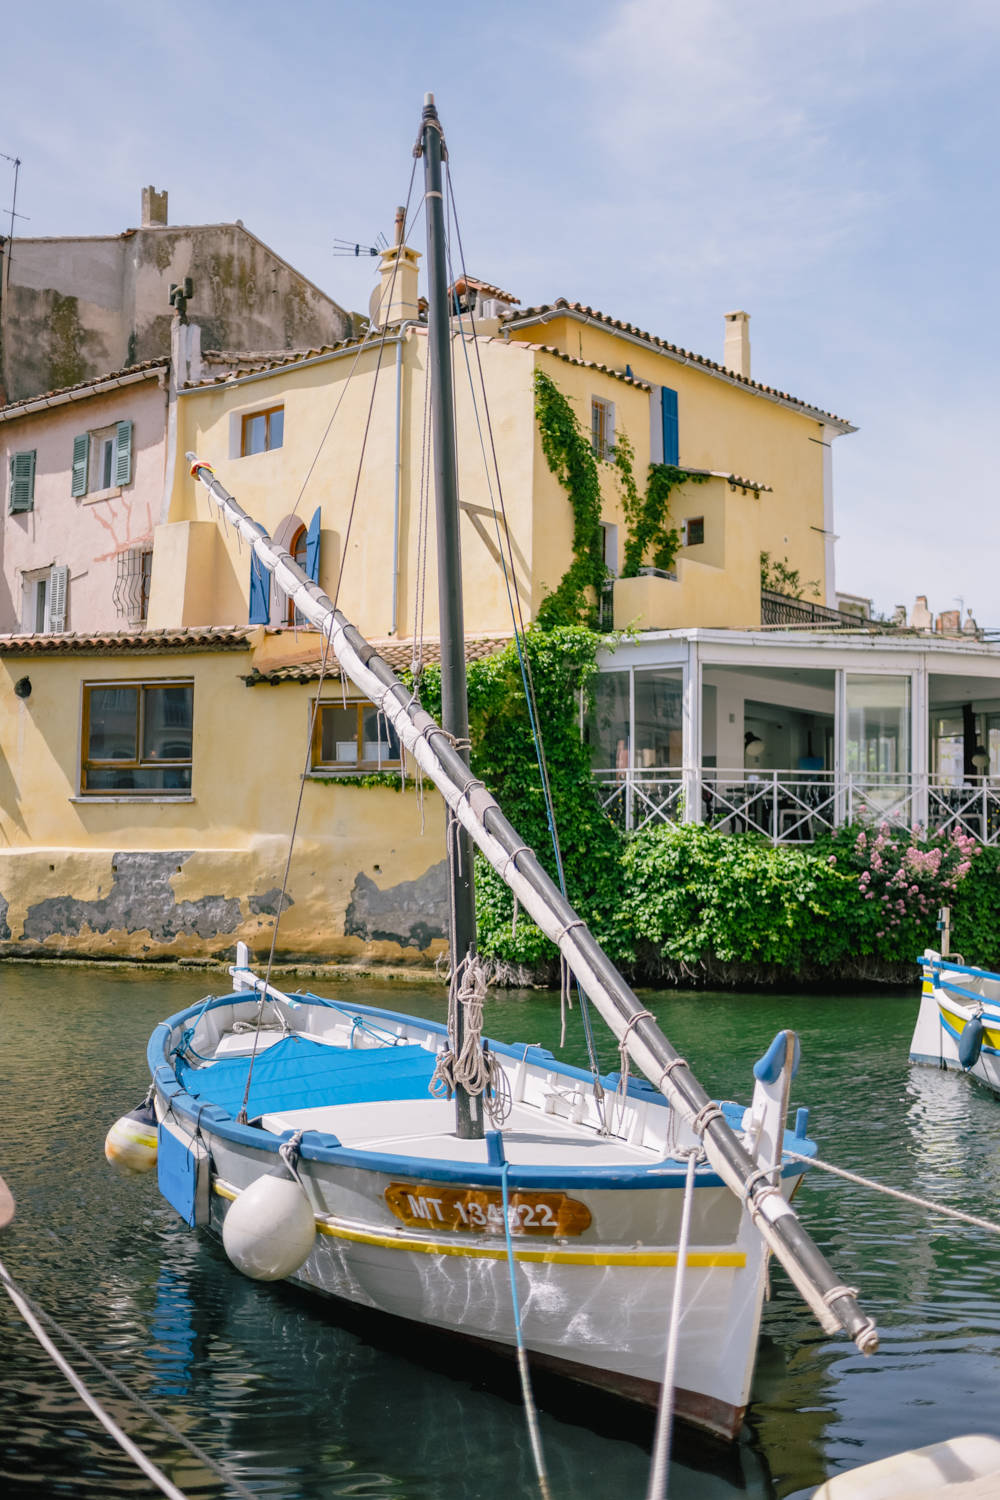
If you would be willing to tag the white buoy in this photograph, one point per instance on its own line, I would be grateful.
(270, 1229)
(130, 1144)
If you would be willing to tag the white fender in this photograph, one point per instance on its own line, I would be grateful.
(130, 1144)
(270, 1229)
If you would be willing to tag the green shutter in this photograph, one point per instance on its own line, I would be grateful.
(81, 457)
(22, 482)
(123, 461)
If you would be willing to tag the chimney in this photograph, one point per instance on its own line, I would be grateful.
(154, 207)
(392, 301)
(736, 356)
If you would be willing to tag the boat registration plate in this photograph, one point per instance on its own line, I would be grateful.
(477, 1210)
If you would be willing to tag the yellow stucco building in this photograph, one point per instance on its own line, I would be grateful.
(149, 777)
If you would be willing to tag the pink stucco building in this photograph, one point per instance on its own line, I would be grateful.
(83, 483)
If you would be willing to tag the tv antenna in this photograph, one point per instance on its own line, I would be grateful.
(348, 247)
(15, 162)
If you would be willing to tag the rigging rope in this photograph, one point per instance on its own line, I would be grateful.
(878, 1187)
(125, 1443)
(659, 1468)
(242, 1116)
(534, 1434)
(520, 630)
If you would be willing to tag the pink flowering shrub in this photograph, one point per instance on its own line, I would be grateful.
(902, 880)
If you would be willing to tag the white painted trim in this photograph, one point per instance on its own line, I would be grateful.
(140, 799)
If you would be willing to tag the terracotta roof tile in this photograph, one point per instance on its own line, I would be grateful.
(397, 653)
(12, 407)
(127, 642)
(580, 309)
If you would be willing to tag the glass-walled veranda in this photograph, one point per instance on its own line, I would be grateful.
(790, 751)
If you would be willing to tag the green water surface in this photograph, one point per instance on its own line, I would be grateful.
(306, 1403)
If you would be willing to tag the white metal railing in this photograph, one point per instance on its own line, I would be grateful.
(790, 807)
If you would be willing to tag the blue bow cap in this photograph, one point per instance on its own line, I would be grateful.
(768, 1068)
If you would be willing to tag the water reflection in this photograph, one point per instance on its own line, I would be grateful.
(307, 1399)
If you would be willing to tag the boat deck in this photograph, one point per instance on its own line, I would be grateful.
(426, 1128)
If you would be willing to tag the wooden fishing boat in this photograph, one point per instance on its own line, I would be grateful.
(409, 1218)
(318, 1149)
(958, 1025)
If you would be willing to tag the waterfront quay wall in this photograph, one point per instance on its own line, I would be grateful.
(185, 855)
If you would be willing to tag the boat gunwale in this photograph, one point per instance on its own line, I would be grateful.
(325, 1148)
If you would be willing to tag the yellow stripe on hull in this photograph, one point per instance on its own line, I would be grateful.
(990, 1038)
(696, 1258)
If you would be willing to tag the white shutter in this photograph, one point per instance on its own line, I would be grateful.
(123, 456)
(58, 586)
(81, 458)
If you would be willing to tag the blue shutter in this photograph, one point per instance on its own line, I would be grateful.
(81, 457)
(671, 439)
(260, 592)
(123, 454)
(312, 547)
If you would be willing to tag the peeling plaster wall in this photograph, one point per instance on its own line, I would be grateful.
(412, 913)
(76, 308)
(162, 880)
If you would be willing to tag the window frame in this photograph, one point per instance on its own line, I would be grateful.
(603, 444)
(141, 684)
(320, 767)
(251, 416)
(686, 526)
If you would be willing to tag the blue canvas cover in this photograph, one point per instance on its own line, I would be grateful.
(297, 1073)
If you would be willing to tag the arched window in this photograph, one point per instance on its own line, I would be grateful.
(297, 547)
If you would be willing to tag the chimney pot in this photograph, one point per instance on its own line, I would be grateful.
(736, 355)
(154, 207)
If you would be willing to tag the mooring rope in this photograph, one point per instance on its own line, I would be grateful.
(23, 1303)
(879, 1187)
(531, 1410)
(659, 1468)
(474, 1069)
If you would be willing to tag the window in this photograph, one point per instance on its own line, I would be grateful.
(693, 531)
(262, 431)
(297, 547)
(357, 737)
(878, 725)
(131, 594)
(102, 459)
(43, 600)
(602, 417)
(21, 496)
(137, 737)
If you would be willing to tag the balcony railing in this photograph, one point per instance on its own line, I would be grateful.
(792, 807)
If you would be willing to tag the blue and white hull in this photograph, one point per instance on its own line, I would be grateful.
(409, 1218)
(958, 1002)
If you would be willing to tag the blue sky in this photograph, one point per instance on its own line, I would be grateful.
(829, 168)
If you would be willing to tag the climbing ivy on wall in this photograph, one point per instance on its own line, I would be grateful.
(647, 517)
(570, 455)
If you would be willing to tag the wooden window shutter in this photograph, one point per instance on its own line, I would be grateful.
(22, 482)
(58, 586)
(312, 547)
(260, 592)
(123, 461)
(671, 435)
(81, 458)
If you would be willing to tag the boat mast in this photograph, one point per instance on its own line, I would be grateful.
(454, 696)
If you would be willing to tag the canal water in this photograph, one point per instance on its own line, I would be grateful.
(307, 1404)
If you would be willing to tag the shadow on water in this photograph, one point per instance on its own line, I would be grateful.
(307, 1397)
